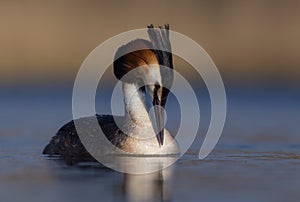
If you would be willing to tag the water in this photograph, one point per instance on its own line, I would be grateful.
(256, 159)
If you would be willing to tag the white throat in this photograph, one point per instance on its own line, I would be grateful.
(136, 110)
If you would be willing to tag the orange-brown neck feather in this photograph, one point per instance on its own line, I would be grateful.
(132, 55)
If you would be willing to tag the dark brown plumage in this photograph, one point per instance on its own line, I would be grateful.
(66, 142)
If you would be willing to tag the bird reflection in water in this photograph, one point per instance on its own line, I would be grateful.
(155, 186)
(145, 186)
(148, 187)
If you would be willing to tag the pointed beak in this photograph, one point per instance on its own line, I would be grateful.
(159, 116)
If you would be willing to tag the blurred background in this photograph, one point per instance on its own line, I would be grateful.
(254, 42)
(255, 45)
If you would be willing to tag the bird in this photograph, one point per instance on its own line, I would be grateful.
(137, 132)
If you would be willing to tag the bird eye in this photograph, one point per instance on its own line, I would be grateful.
(156, 86)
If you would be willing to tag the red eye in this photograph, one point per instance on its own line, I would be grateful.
(156, 86)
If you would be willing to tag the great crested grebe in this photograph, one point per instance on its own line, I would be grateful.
(137, 134)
